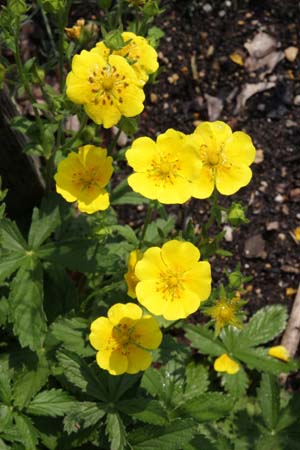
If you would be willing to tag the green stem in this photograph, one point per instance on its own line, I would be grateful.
(146, 223)
(114, 141)
(48, 28)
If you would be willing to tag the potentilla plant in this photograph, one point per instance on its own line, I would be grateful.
(115, 336)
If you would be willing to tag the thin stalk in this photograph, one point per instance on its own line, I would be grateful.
(48, 28)
(146, 223)
(114, 141)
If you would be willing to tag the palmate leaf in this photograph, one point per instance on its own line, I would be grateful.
(10, 263)
(209, 406)
(27, 433)
(236, 384)
(145, 410)
(6, 417)
(72, 333)
(257, 358)
(5, 387)
(269, 401)
(170, 437)
(83, 415)
(78, 373)
(196, 380)
(116, 431)
(204, 340)
(52, 403)
(28, 381)
(42, 226)
(11, 238)
(266, 324)
(26, 306)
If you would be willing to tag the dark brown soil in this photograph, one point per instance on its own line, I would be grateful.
(195, 59)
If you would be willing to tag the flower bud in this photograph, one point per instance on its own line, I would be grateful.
(236, 214)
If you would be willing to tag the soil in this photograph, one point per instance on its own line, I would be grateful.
(195, 61)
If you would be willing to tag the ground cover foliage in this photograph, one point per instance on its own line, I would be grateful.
(71, 374)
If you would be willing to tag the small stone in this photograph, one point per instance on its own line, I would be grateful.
(210, 51)
(290, 123)
(222, 13)
(281, 236)
(259, 157)
(228, 3)
(166, 105)
(263, 186)
(207, 8)
(285, 209)
(279, 198)
(261, 107)
(271, 226)
(172, 79)
(291, 53)
(228, 236)
(153, 97)
(297, 100)
(255, 247)
(295, 195)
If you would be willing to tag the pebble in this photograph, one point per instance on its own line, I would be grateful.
(282, 236)
(207, 8)
(291, 53)
(153, 97)
(297, 100)
(228, 236)
(259, 157)
(255, 247)
(261, 107)
(271, 226)
(228, 3)
(222, 13)
(279, 198)
(295, 194)
(290, 123)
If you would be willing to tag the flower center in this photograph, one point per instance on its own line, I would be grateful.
(164, 171)
(86, 179)
(213, 158)
(170, 285)
(123, 336)
(107, 83)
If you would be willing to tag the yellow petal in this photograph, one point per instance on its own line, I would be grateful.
(179, 255)
(214, 134)
(203, 186)
(226, 364)
(108, 115)
(84, 64)
(66, 194)
(100, 203)
(151, 265)
(198, 280)
(78, 90)
(181, 307)
(132, 100)
(150, 298)
(239, 149)
(279, 352)
(101, 332)
(115, 362)
(138, 359)
(120, 311)
(147, 333)
(230, 179)
(101, 49)
(142, 153)
(177, 192)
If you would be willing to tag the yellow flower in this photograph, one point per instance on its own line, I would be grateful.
(83, 176)
(225, 157)
(172, 282)
(141, 55)
(130, 276)
(296, 233)
(163, 169)
(279, 352)
(75, 31)
(124, 338)
(224, 313)
(107, 87)
(226, 364)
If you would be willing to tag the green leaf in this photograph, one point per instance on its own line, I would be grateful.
(170, 437)
(145, 410)
(264, 326)
(83, 255)
(209, 406)
(9, 264)
(42, 226)
(123, 195)
(204, 340)
(26, 302)
(196, 380)
(268, 442)
(5, 388)
(258, 359)
(81, 375)
(126, 232)
(269, 401)
(5, 418)
(199, 443)
(290, 414)
(27, 432)
(116, 432)
(83, 415)
(11, 238)
(73, 334)
(28, 381)
(236, 384)
(52, 403)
